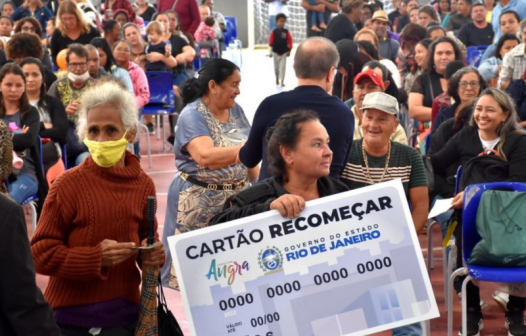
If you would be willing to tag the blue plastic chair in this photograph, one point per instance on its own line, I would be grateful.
(162, 101)
(470, 238)
(474, 55)
(428, 143)
(231, 26)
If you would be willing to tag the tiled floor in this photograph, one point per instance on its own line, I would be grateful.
(258, 83)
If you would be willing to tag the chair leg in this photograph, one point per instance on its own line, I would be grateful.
(458, 272)
(158, 123)
(426, 327)
(445, 262)
(430, 259)
(164, 132)
(464, 306)
(33, 215)
(145, 129)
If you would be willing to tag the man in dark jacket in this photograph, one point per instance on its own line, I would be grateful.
(342, 26)
(23, 308)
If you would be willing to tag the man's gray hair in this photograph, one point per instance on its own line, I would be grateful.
(315, 57)
(108, 93)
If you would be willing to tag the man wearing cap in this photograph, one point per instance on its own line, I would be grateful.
(367, 81)
(388, 47)
(375, 158)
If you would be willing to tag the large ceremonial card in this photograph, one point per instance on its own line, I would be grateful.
(349, 265)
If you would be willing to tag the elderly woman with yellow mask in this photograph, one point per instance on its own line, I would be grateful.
(93, 219)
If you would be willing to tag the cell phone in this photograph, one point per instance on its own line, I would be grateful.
(109, 13)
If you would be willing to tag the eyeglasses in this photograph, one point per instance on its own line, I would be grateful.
(126, 51)
(472, 84)
(78, 65)
(29, 29)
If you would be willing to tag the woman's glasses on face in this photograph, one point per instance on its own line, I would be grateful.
(28, 29)
(464, 85)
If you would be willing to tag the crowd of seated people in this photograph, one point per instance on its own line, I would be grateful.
(368, 101)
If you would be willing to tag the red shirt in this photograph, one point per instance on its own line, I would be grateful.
(188, 11)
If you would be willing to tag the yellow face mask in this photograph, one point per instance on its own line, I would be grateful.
(106, 153)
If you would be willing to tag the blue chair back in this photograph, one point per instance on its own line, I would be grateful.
(472, 195)
(457, 180)
(231, 26)
(428, 143)
(474, 55)
(162, 98)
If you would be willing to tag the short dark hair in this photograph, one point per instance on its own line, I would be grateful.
(453, 82)
(469, 2)
(478, 4)
(77, 49)
(7, 17)
(349, 6)
(376, 64)
(34, 22)
(209, 21)
(453, 67)
(412, 32)
(109, 25)
(281, 16)
(285, 132)
(431, 29)
(24, 45)
(514, 13)
(314, 62)
(217, 70)
(502, 40)
(430, 64)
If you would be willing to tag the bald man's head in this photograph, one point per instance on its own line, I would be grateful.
(315, 57)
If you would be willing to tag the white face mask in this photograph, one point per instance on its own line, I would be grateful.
(78, 78)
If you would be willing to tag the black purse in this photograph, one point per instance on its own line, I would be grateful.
(168, 325)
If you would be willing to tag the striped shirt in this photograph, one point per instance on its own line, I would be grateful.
(405, 163)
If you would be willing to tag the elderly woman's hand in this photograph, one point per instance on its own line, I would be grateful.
(153, 256)
(113, 253)
(288, 205)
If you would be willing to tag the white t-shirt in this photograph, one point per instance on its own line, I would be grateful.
(488, 144)
(276, 7)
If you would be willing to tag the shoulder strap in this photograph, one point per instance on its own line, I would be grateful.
(175, 4)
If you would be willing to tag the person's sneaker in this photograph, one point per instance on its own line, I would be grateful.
(474, 325)
(515, 323)
(483, 305)
(501, 299)
(151, 128)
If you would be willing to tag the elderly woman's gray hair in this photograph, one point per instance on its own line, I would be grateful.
(108, 94)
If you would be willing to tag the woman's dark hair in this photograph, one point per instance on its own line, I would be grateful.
(464, 115)
(102, 43)
(352, 60)
(34, 22)
(453, 82)
(510, 12)
(431, 29)
(24, 45)
(440, 9)
(217, 70)
(412, 32)
(14, 69)
(368, 48)
(31, 60)
(502, 40)
(285, 132)
(430, 67)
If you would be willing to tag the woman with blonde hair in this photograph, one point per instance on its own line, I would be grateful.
(72, 27)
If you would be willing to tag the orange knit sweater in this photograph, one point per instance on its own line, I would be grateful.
(86, 205)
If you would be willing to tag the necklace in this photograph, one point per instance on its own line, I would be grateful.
(368, 174)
